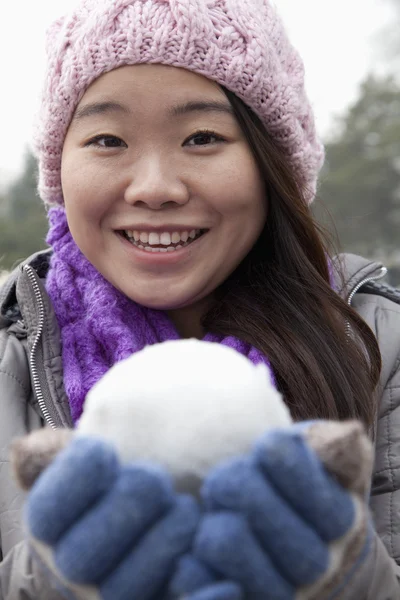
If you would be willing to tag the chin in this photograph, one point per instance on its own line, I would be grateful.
(165, 305)
(159, 303)
(158, 299)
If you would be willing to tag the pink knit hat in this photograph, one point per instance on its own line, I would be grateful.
(240, 44)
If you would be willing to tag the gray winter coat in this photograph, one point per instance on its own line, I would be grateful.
(32, 395)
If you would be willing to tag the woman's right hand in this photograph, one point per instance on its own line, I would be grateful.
(119, 529)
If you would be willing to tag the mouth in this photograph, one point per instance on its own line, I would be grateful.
(162, 241)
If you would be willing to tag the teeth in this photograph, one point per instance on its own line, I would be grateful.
(154, 239)
(179, 240)
(165, 239)
(175, 238)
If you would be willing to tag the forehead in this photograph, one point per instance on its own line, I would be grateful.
(152, 96)
(151, 86)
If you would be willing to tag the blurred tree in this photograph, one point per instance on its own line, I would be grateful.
(3, 207)
(360, 184)
(21, 195)
(389, 41)
(23, 223)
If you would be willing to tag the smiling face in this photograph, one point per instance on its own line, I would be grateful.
(161, 190)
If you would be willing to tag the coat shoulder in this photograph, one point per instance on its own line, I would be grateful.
(379, 305)
(382, 290)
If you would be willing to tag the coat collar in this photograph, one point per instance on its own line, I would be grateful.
(9, 306)
(350, 271)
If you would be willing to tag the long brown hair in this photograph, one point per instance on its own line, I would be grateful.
(280, 300)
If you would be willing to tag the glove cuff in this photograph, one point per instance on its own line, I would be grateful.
(346, 555)
(43, 554)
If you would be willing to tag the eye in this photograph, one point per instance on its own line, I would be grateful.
(203, 138)
(106, 141)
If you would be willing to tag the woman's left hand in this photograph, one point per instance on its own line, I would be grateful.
(289, 521)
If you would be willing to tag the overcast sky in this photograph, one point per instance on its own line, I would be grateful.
(336, 40)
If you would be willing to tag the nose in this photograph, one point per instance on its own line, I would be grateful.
(156, 184)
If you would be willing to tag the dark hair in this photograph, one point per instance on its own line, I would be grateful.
(325, 358)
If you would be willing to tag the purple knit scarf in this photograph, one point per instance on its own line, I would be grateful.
(99, 325)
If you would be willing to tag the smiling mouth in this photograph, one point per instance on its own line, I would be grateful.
(153, 243)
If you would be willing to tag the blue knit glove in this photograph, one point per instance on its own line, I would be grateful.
(278, 525)
(105, 530)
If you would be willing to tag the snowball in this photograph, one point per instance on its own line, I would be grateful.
(185, 405)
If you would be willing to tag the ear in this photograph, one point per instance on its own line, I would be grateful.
(31, 454)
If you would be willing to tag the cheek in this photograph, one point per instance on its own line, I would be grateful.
(86, 191)
(239, 190)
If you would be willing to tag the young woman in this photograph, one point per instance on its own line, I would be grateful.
(178, 157)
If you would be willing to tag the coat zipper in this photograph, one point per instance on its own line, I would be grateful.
(383, 272)
(34, 369)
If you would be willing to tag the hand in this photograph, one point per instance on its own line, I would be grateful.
(278, 524)
(107, 530)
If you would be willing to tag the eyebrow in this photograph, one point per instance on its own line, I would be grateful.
(201, 106)
(98, 108)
